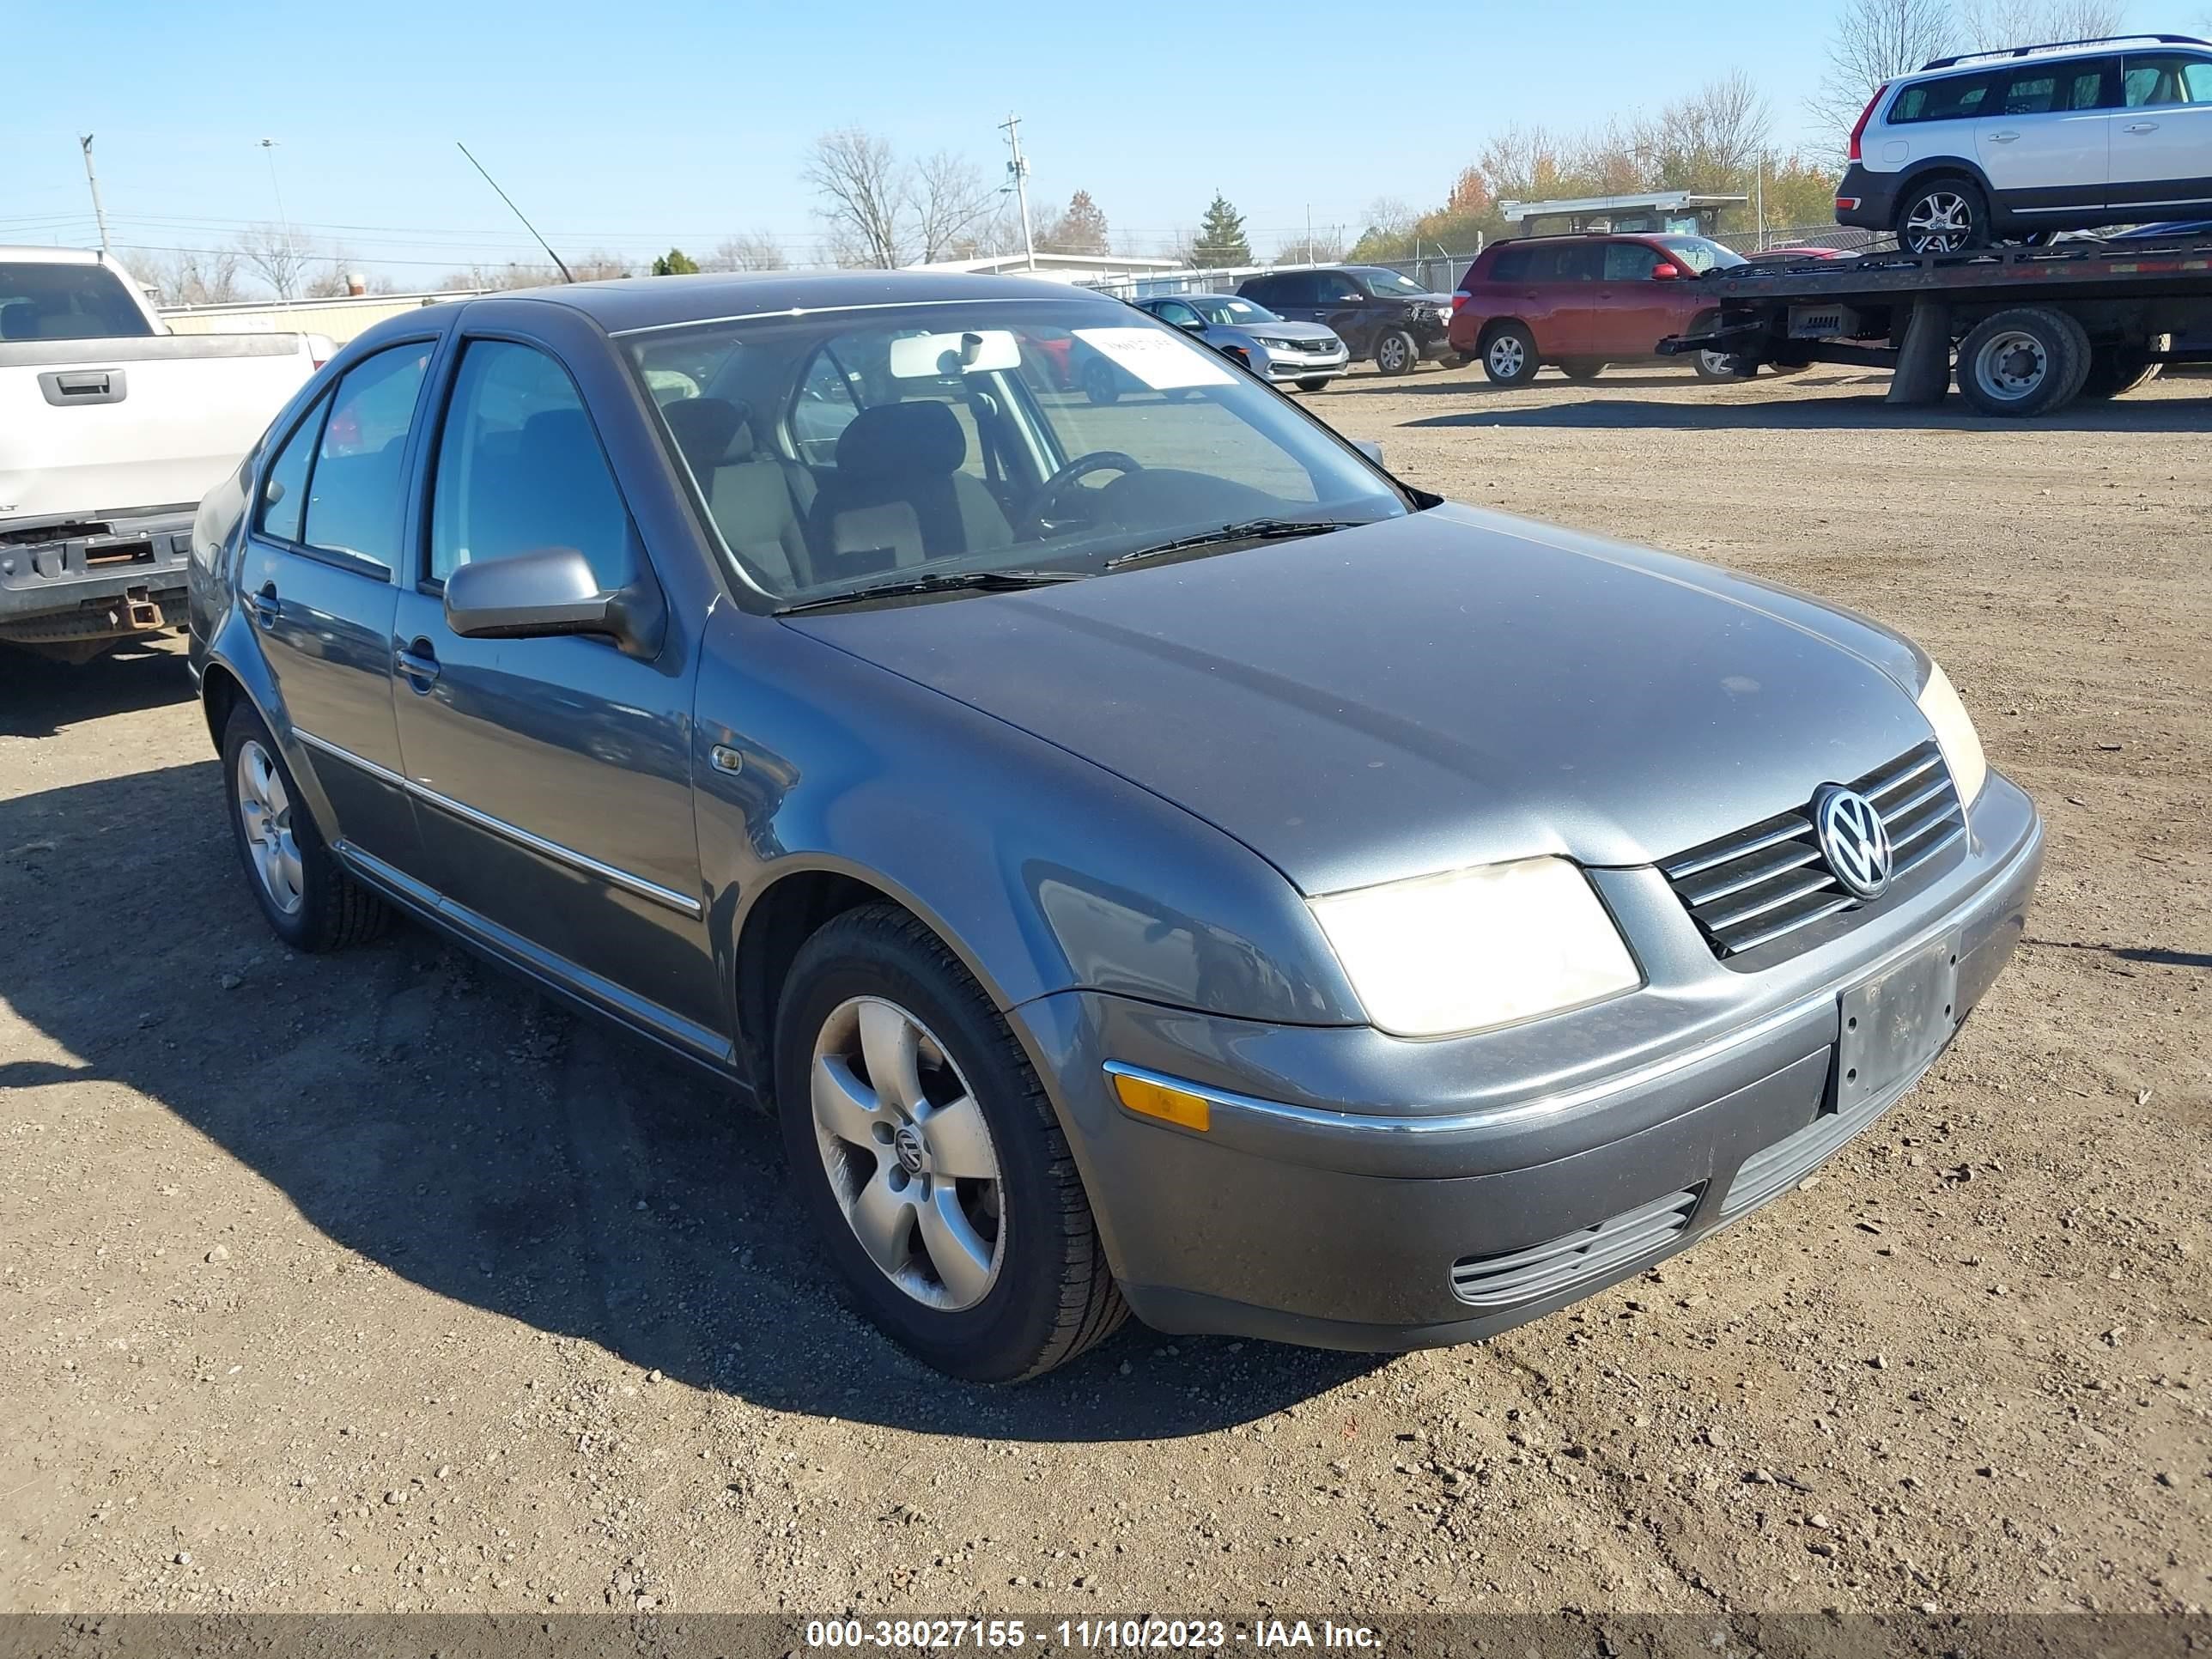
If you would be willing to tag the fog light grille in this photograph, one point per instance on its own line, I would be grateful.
(1542, 1270)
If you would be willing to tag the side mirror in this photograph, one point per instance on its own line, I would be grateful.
(548, 591)
(1663, 272)
(1196, 325)
(1369, 448)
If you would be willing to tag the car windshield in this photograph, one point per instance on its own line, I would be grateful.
(1228, 308)
(840, 450)
(1700, 255)
(1381, 280)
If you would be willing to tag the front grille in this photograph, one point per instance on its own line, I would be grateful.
(1754, 887)
(1543, 1270)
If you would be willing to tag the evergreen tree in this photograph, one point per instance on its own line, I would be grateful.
(675, 262)
(1221, 236)
(1081, 229)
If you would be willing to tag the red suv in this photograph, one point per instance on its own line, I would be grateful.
(1580, 302)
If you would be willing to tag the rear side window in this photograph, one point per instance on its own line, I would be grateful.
(1267, 291)
(67, 302)
(354, 495)
(1511, 265)
(2055, 89)
(1955, 98)
(519, 468)
(284, 496)
(1562, 262)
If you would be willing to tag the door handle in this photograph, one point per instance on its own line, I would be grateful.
(264, 605)
(2140, 126)
(418, 660)
(2002, 137)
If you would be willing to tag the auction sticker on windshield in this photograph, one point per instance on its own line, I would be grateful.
(1160, 361)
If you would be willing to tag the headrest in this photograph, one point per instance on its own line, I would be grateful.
(902, 440)
(711, 432)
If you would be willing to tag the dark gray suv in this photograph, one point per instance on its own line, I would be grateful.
(1146, 856)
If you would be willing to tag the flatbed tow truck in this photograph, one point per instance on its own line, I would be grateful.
(2033, 328)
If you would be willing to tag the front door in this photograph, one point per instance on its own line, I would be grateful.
(318, 579)
(552, 776)
(1631, 311)
(2046, 143)
(2162, 137)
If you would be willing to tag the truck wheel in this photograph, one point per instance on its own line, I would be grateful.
(1582, 368)
(311, 903)
(930, 1159)
(2115, 370)
(1943, 215)
(1509, 355)
(2027, 360)
(1397, 353)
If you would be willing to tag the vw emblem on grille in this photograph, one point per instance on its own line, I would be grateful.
(1853, 840)
(906, 1146)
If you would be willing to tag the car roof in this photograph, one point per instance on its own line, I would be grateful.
(2059, 51)
(52, 256)
(1589, 236)
(629, 303)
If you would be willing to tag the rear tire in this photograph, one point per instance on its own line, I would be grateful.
(307, 899)
(998, 1181)
(1581, 370)
(1943, 214)
(2027, 361)
(1509, 355)
(2117, 370)
(1397, 353)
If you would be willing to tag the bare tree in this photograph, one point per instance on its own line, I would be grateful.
(950, 199)
(1081, 229)
(1876, 40)
(864, 195)
(1988, 25)
(196, 277)
(1709, 141)
(750, 250)
(1323, 246)
(279, 257)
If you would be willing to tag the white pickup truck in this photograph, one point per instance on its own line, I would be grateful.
(110, 430)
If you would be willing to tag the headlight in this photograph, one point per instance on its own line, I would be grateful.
(1473, 948)
(1276, 345)
(1954, 734)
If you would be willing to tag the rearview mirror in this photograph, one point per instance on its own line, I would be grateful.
(548, 591)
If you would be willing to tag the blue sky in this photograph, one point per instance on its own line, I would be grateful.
(634, 126)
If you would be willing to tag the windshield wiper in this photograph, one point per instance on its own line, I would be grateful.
(1252, 529)
(985, 581)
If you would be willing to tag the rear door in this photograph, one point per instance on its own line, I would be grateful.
(1554, 294)
(1630, 311)
(2163, 134)
(1934, 120)
(317, 577)
(2046, 142)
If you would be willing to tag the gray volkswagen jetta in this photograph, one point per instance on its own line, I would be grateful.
(1147, 857)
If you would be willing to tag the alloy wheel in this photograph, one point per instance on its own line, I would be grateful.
(1506, 357)
(1942, 221)
(908, 1153)
(1392, 358)
(265, 810)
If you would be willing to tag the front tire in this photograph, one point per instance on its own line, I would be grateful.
(1397, 353)
(2027, 361)
(308, 899)
(1317, 383)
(1509, 355)
(1943, 215)
(1719, 365)
(932, 1164)
(1100, 383)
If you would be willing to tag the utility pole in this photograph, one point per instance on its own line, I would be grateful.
(1012, 126)
(99, 213)
(1310, 258)
(283, 220)
(1758, 199)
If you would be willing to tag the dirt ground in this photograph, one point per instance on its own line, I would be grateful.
(375, 1282)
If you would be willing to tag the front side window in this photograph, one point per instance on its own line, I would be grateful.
(2165, 77)
(41, 301)
(519, 468)
(1956, 98)
(1701, 254)
(1173, 311)
(1337, 291)
(1383, 280)
(354, 494)
(1025, 435)
(284, 492)
(1235, 311)
(1630, 262)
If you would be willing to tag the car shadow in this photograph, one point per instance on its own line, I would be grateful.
(447, 1121)
(1823, 414)
(40, 696)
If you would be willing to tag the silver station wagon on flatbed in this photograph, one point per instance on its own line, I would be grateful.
(1148, 857)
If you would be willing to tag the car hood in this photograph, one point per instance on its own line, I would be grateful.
(1448, 689)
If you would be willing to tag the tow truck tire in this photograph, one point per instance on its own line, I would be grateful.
(1509, 355)
(2023, 362)
(2117, 370)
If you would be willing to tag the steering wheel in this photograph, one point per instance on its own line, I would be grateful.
(1048, 493)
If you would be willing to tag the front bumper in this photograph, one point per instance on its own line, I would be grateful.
(123, 576)
(1287, 367)
(1875, 194)
(1312, 1210)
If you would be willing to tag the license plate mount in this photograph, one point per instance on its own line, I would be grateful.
(1894, 1023)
